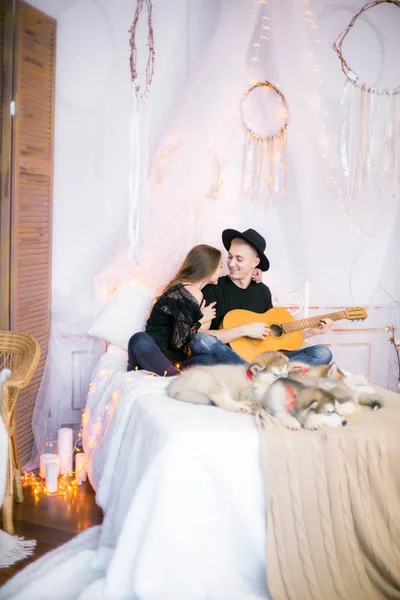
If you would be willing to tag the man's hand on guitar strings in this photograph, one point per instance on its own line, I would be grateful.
(257, 331)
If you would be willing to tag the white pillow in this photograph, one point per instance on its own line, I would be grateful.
(125, 314)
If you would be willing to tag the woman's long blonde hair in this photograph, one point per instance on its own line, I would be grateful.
(200, 263)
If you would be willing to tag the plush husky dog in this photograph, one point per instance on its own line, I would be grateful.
(297, 405)
(321, 401)
(350, 393)
(304, 370)
(238, 388)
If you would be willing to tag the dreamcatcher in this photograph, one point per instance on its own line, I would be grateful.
(370, 137)
(138, 135)
(265, 142)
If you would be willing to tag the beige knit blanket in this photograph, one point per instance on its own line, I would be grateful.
(333, 507)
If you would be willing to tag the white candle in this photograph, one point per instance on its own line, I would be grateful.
(52, 471)
(65, 449)
(306, 306)
(80, 471)
(44, 460)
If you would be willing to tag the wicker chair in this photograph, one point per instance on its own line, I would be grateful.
(19, 352)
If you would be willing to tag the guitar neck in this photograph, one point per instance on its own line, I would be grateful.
(306, 323)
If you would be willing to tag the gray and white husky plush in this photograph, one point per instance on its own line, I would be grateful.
(314, 402)
(237, 388)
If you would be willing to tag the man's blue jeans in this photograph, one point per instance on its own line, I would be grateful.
(311, 355)
(204, 343)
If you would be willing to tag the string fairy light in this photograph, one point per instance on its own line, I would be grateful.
(346, 203)
(264, 31)
(67, 485)
(264, 153)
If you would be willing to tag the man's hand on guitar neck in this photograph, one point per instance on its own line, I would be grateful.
(323, 327)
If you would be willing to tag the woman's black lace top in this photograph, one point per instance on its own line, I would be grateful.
(173, 322)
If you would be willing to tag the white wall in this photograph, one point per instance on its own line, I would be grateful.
(93, 103)
(307, 234)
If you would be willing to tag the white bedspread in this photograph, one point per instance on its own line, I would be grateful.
(181, 489)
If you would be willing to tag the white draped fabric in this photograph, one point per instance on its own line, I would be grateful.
(204, 55)
(181, 490)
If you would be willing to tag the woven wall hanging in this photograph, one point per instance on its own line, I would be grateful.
(370, 137)
(265, 152)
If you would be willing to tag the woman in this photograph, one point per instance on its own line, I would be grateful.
(177, 316)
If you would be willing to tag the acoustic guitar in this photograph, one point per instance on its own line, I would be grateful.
(285, 331)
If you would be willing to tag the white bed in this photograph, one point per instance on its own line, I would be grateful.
(181, 489)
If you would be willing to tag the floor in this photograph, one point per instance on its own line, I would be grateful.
(52, 521)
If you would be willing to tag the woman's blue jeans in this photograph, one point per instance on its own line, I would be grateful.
(144, 353)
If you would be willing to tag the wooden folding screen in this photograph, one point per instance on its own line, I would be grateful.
(30, 225)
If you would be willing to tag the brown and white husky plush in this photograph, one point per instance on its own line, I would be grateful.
(238, 388)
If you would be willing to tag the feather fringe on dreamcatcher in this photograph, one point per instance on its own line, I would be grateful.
(138, 138)
(264, 165)
(370, 136)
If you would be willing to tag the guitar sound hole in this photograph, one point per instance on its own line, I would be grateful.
(276, 330)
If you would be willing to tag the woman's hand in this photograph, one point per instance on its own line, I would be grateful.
(257, 276)
(208, 312)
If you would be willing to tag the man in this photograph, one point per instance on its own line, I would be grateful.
(246, 252)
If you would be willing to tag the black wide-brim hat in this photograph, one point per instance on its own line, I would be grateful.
(251, 237)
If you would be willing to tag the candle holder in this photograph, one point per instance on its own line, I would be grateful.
(48, 450)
